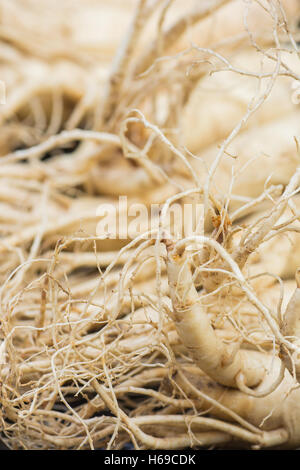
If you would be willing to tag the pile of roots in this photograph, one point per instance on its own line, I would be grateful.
(146, 337)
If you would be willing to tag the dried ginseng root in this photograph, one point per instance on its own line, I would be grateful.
(175, 325)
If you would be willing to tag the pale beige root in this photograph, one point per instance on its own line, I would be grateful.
(189, 309)
(51, 376)
(192, 322)
(290, 327)
(80, 21)
(92, 354)
(122, 63)
(78, 218)
(228, 404)
(103, 179)
(250, 244)
(214, 27)
(236, 320)
(90, 28)
(226, 93)
(276, 438)
(174, 33)
(279, 254)
(228, 23)
(241, 242)
(267, 154)
(54, 373)
(41, 80)
(134, 181)
(97, 221)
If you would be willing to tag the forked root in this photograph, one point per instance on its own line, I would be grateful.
(217, 360)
